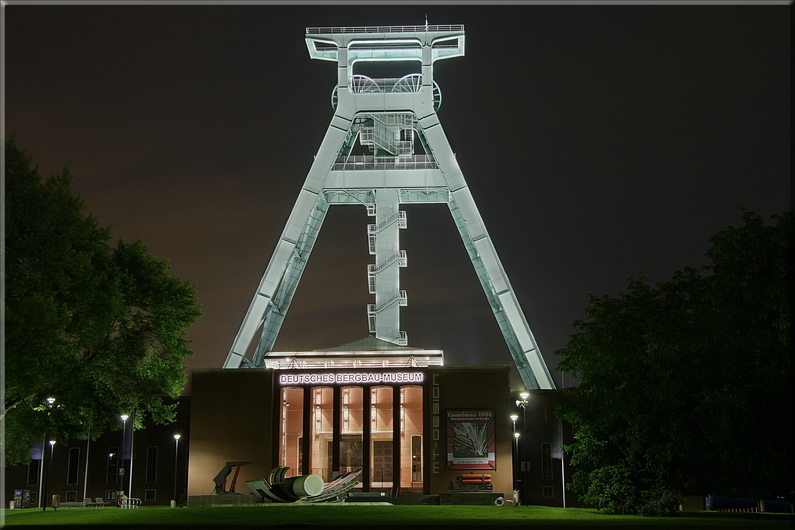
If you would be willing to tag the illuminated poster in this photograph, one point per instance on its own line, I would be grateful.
(470, 439)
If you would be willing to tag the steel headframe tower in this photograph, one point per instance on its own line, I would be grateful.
(385, 115)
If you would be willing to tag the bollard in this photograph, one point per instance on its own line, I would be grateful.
(173, 504)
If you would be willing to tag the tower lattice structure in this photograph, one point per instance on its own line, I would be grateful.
(392, 118)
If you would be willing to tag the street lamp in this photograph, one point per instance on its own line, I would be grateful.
(132, 441)
(176, 455)
(515, 451)
(121, 451)
(88, 448)
(42, 485)
(47, 485)
(522, 403)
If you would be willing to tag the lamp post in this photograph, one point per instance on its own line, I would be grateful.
(176, 459)
(47, 483)
(522, 403)
(42, 484)
(515, 451)
(88, 447)
(132, 441)
(121, 452)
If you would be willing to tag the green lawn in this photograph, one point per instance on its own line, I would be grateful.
(358, 515)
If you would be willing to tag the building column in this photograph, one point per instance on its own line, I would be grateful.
(396, 440)
(306, 438)
(366, 438)
(336, 428)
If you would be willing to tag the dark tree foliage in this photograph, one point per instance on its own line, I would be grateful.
(99, 328)
(685, 385)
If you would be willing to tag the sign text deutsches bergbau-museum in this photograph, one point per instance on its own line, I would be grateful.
(331, 378)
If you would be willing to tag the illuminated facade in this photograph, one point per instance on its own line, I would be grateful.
(407, 424)
(420, 430)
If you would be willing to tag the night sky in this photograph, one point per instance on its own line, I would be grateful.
(598, 142)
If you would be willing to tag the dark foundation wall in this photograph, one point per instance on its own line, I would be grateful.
(231, 421)
(468, 387)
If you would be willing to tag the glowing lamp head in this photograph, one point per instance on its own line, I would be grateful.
(124, 417)
(177, 436)
(524, 395)
(514, 417)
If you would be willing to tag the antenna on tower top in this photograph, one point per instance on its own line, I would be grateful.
(426, 21)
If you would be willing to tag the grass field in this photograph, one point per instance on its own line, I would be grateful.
(365, 516)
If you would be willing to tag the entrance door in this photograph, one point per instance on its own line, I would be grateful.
(382, 461)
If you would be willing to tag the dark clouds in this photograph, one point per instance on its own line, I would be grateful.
(598, 141)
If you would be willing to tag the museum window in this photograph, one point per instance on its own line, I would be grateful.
(34, 468)
(351, 428)
(291, 429)
(546, 461)
(73, 465)
(381, 435)
(151, 464)
(112, 472)
(354, 420)
(71, 496)
(321, 426)
(411, 421)
(149, 495)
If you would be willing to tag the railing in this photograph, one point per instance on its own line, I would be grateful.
(419, 361)
(383, 29)
(398, 297)
(370, 162)
(381, 136)
(384, 262)
(368, 85)
(399, 217)
(128, 503)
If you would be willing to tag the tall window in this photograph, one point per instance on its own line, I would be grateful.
(381, 454)
(34, 468)
(546, 461)
(321, 426)
(352, 417)
(151, 464)
(411, 436)
(73, 465)
(292, 429)
(112, 474)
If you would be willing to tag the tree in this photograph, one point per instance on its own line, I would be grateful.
(682, 384)
(100, 328)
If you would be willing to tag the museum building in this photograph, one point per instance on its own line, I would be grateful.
(410, 424)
